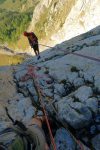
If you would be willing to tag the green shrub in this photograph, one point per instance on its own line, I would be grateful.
(12, 24)
(2, 1)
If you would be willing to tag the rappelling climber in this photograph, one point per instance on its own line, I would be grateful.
(33, 41)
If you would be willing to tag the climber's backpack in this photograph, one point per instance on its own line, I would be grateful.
(18, 137)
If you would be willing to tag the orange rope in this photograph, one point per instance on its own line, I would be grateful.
(47, 121)
(32, 73)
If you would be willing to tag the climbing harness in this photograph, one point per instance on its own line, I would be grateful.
(31, 137)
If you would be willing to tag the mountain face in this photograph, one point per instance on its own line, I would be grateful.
(52, 20)
(67, 76)
(68, 79)
(59, 20)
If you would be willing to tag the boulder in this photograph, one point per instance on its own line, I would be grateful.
(21, 109)
(83, 93)
(97, 83)
(3, 115)
(59, 89)
(64, 140)
(96, 142)
(20, 74)
(92, 103)
(4, 125)
(78, 82)
(71, 76)
(74, 113)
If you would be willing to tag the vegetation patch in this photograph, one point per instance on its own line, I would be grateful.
(14, 5)
(63, 81)
(52, 18)
(10, 59)
(74, 69)
(12, 24)
(2, 1)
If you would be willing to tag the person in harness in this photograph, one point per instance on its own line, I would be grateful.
(33, 41)
(24, 137)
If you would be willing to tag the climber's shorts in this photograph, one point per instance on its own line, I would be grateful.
(35, 46)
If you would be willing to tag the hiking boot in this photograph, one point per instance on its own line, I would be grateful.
(38, 57)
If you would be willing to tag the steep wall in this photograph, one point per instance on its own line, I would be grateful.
(58, 20)
(83, 17)
(49, 16)
(55, 21)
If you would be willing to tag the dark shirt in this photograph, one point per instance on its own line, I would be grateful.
(32, 38)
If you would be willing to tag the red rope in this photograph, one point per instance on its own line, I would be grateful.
(84, 56)
(47, 121)
(31, 72)
(74, 53)
(88, 57)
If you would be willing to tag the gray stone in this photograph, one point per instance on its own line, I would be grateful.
(57, 97)
(68, 88)
(78, 82)
(39, 113)
(92, 103)
(59, 89)
(24, 91)
(32, 89)
(20, 74)
(96, 142)
(83, 93)
(64, 141)
(81, 74)
(75, 113)
(93, 129)
(22, 84)
(29, 114)
(97, 83)
(71, 76)
(48, 92)
(88, 77)
(3, 115)
(4, 125)
(21, 108)
(62, 101)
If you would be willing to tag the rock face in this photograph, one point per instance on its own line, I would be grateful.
(76, 114)
(67, 77)
(69, 18)
(64, 140)
(96, 143)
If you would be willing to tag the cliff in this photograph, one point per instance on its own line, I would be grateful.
(57, 20)
(69, 78)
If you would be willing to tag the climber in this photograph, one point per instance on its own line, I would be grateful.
(24, 137)
(33, 41)
(36, 126)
